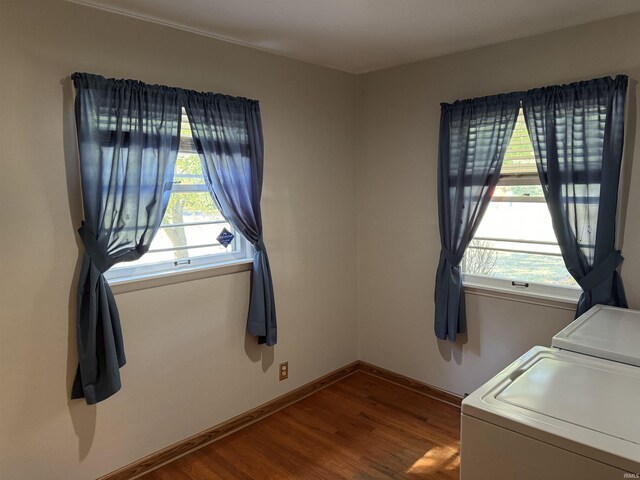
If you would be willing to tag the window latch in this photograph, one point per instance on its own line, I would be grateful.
(520, 284)
(185, 261)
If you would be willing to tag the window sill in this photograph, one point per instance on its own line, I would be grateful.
(567, 301)
(142, 282)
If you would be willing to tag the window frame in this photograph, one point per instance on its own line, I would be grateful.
(540, 294)
(170, 267)
(243, 252)
(516, 289)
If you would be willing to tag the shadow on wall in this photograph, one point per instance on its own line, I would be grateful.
(83, 416)
(449, 350)
(256, 352)
(469, 341)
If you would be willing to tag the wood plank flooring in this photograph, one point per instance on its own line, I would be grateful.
(361, 427)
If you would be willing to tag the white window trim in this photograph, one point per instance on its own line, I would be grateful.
(141, 277)
(160, 279)
(565, 298)
(146, 270)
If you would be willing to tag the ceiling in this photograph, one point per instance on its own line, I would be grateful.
(360, 36)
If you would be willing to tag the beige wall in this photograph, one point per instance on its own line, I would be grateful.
(189, 363)
(398, 118)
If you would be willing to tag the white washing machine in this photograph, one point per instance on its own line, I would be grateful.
(571, 411)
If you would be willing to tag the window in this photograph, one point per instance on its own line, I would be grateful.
(515, 246)
(190, 234)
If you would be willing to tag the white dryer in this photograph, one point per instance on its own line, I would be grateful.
(606, 332)
(572, 411)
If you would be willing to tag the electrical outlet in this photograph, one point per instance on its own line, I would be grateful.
(284, 371)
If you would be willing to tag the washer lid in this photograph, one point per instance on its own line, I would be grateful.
(582, 404)
(605, 332)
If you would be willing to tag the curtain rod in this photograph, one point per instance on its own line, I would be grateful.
(85, 78)
(519, 94)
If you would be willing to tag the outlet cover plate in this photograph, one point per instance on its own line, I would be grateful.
(284, 371)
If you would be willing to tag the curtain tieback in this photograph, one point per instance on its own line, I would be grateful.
(259, 245)
(450, 257)
(602, 271)
(100, 259)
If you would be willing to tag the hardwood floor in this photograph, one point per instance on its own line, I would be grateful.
(361, 427)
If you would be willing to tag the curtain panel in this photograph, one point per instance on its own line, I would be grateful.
(474, 135)
(577, 131)
(128, 140)
(227, 132)
(128, 137)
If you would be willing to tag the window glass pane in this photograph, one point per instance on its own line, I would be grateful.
(523, 246)
(522, 191)
(515, 239)
(181, 236)
(517, 221)
(519, 158)
(188, 170)
(522, 267)
(189, 229)
(190, 207)
(200, 240)
(185, 126)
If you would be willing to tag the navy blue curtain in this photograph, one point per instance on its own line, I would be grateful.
(577, 132)
(128, 138)
(227, 132)
(474, 135)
